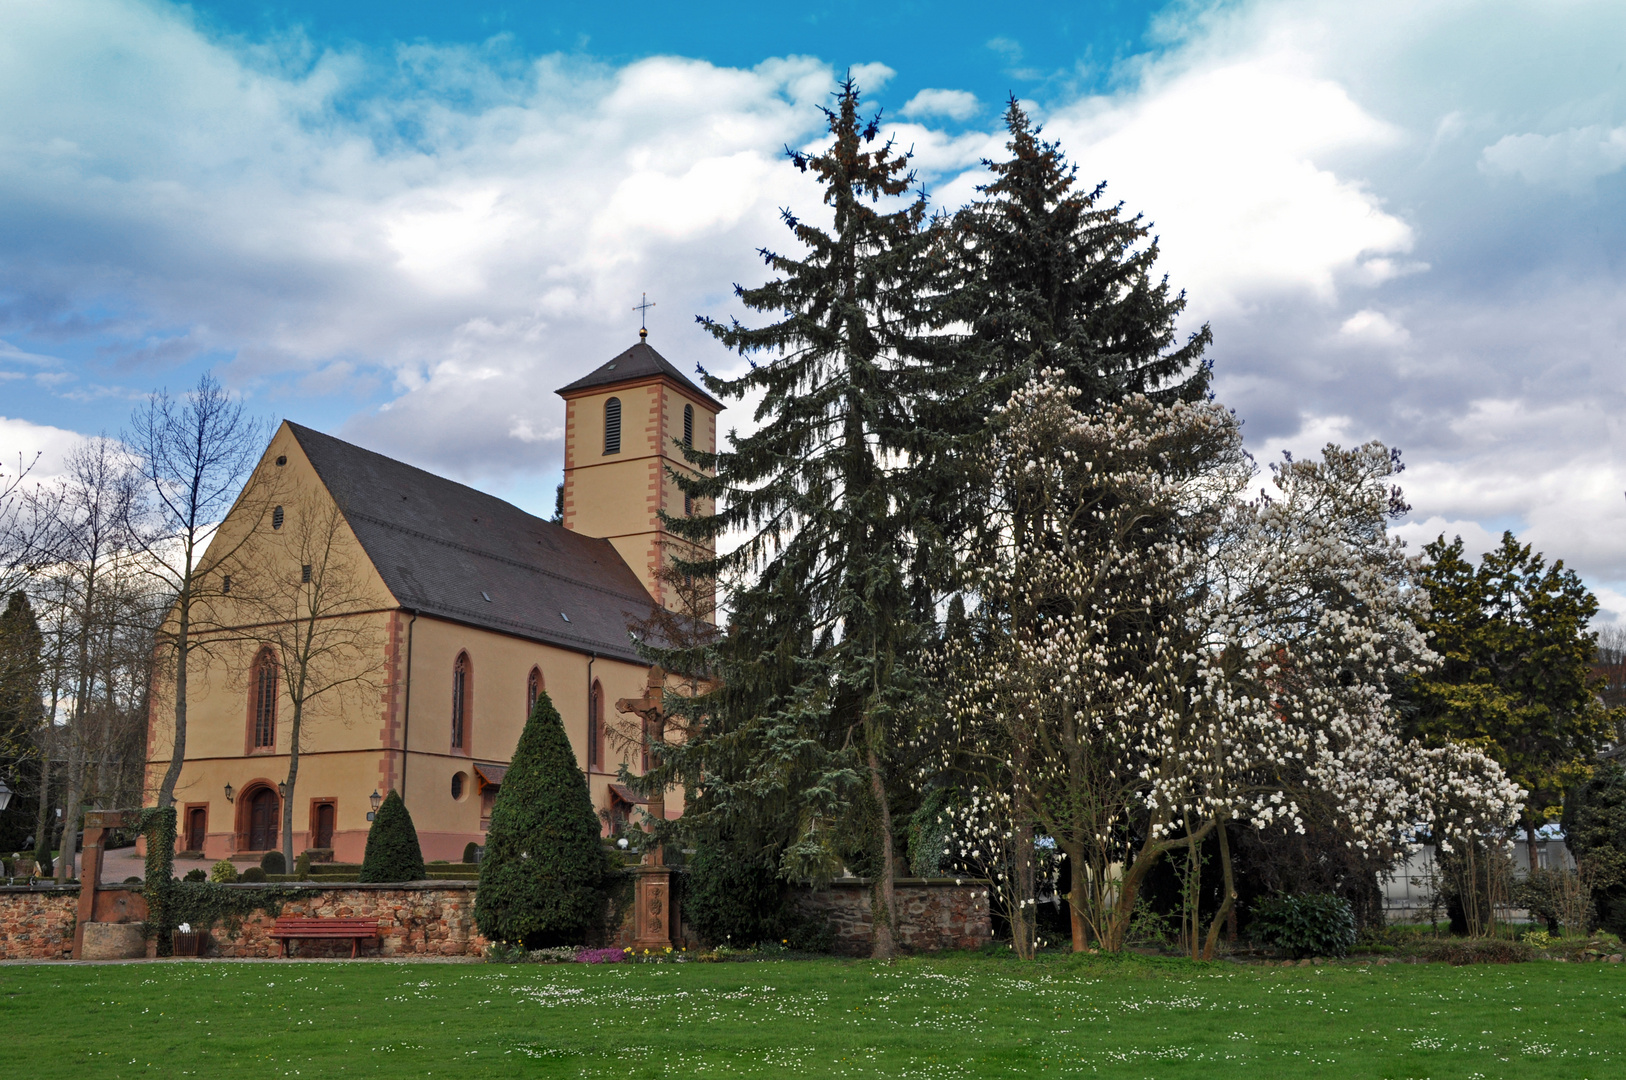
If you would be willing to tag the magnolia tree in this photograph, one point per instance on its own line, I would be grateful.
(1157, 656)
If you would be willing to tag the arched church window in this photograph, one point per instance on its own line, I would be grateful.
(262, 705)
(595, 726)
(462, 698)
(533, 689)
(612, 426)
(688, 425)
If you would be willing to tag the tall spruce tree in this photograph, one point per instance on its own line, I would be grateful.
(1054, 277)
(816, 672)
(544, 864)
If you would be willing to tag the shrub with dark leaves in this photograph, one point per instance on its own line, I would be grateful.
(1318, 924)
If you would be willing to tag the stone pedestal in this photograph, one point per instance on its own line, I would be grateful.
(653, 908)
(112, 941)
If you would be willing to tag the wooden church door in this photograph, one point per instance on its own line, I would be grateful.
(262, 820)
(197, 821)
(324, 826)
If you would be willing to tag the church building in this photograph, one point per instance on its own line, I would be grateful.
(446, 612)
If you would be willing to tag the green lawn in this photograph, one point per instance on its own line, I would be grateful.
(952, 1017)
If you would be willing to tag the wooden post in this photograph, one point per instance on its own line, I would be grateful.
(97, 822)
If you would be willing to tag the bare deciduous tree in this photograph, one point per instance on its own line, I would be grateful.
(95, 505)
(194, 454)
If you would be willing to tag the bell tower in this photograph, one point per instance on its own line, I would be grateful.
(624, 423)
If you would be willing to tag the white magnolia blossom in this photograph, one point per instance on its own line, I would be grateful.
(1156, 647)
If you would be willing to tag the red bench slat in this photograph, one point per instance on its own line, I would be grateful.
(291, 928)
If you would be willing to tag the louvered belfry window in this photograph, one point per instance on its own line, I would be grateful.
(612, 426)
(265, 701)
(688, 425)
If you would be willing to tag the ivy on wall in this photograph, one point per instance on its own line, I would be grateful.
(205, 904)
(158, 823)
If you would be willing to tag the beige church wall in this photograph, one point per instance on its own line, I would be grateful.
(339, 777)
(219, 704)
(501, 666)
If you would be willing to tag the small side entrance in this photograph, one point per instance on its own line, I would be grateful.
(197, 828)
(322, 825)
(262, 820)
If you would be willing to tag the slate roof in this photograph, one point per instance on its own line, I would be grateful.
(442, 548)
(638, 362)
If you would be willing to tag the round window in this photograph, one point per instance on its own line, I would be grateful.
(460, 785)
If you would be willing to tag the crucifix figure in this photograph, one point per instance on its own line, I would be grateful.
(643, 312)
(652, 710)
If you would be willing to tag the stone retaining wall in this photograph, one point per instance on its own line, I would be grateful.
(37, 924)
(933, 914)
(416, 919)
(436, 918)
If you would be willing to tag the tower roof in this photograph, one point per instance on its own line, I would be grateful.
(638, 362)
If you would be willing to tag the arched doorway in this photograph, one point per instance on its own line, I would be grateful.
(262, 819)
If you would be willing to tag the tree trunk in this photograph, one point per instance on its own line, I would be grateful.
(70, 813)
(177, 752)
(1077, 897)
(42, 816)
(1530, 841)
(1129, 889)
(1227, 909)
(884, 901)
(1026, 910)
(288, 796)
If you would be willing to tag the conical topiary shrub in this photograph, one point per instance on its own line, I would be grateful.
(393, 853)
(544, 864)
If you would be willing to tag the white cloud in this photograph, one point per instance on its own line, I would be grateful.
(871, 77)
(1222, 155)
(39, 448)
(1570, 159)
(954, 104)
(1373, 326)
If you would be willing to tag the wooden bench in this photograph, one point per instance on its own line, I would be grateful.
(290, 928)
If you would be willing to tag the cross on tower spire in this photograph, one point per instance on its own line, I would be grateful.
(643, 312)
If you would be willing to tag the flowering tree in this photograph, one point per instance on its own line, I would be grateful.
(1160, 657)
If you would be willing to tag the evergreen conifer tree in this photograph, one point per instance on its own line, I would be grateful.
(544, 866)
(1517, 676)
(816, 673)
(392, 853)
(1053, 277)
(21, 714)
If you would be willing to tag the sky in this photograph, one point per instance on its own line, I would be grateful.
(408, 223)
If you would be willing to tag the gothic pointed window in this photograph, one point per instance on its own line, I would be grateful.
(688, 425)
(533, 689)
(462, 697)
(595, 727)
(612, 426)
(263, 701)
